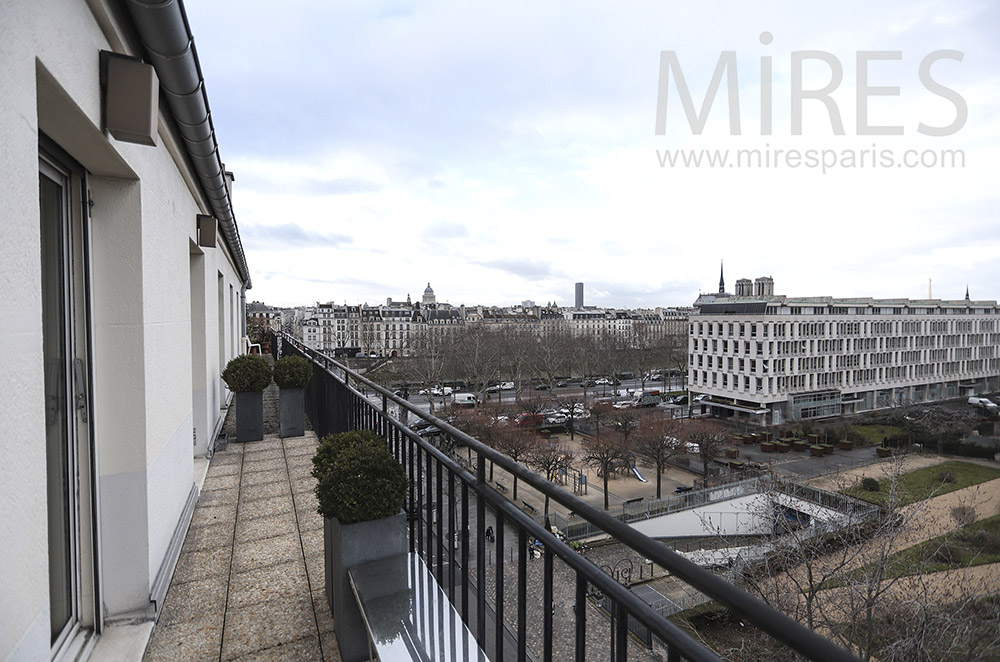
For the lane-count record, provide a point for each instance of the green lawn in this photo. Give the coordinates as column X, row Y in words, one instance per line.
column 874, row 434
column 927, row 482
column 975, row 544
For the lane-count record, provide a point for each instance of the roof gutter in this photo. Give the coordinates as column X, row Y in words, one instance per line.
column 164, row 32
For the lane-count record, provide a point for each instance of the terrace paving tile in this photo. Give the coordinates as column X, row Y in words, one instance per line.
column 302, row 650
column 187, row 640
column 265, row 490
column 271, row 464
column 265, row 507
column 269, row 551
column 263, row 477
column 249, row 530
column 230, row 482
column 208, row 515
column 219, row 497
column 201, row 564
column 272, row 582
column 210, row 536
column 266, row 625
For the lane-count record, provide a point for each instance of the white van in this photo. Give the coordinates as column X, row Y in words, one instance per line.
column 465, row 400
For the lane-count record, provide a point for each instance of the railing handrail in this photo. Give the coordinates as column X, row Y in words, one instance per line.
column 776, row 624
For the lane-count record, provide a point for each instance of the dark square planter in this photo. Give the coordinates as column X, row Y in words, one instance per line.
column 348, row 545
column 292, row 410
column 249, row 416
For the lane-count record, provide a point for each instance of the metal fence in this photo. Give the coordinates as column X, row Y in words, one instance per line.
column 450, row 508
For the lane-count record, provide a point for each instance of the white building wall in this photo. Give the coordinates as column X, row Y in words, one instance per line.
column 142, row 229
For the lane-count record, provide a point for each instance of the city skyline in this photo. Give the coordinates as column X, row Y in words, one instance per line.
column 412, row 139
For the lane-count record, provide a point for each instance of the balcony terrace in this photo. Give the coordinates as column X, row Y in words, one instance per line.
column 250, row 580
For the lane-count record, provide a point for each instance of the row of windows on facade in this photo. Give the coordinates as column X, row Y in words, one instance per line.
column 806, row 329
column 824, row 363
column 980, row 345
column 866, row 376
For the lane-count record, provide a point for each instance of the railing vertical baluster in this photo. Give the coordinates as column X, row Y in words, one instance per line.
column 451, row 536
column 420, row 503
column 439, row 517
column 547, row 605
column 580, row 612
column 498, row 552
column 413, row 503
column 621, row 633
column 426, row 478
column 673, row 653
column 480, row 553
column 464, row 533
column 522, row 594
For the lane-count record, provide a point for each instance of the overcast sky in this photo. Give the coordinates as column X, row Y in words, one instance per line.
column 505, row 151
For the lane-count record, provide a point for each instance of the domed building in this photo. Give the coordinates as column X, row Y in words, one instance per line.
column 428, row 296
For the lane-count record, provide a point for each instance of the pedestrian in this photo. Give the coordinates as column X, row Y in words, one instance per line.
column 490, row 537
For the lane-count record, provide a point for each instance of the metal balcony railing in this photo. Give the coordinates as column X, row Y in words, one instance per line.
column 451, row 508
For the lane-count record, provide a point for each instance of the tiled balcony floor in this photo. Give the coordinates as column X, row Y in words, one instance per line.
column 249, row 581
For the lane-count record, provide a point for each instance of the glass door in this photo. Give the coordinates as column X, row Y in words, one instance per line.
column 66, row 375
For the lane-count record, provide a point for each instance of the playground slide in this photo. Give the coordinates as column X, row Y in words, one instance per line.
column 638, row 475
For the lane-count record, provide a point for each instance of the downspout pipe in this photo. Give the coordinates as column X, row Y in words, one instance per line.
column 243, row 307
column 163, row 29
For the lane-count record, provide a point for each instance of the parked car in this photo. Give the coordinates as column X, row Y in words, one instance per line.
column 465, row 400
column 542, row 387
column 529, row 418
column 561, row 384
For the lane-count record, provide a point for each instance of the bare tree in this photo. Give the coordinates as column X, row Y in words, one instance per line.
column 625, row 421
column 476, row 356
column 605, row 454
column 518, row 444
column 430, row 352
column 709, row 438
column 656, row 438
column 549, row 457
column 516, row 346
column 550, row 356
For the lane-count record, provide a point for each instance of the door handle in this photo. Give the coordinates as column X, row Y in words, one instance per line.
column 80, row 391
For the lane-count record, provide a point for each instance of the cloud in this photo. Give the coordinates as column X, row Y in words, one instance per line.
column 339, row 186
column 445, row 230
column 527, row 269
column 290, row 235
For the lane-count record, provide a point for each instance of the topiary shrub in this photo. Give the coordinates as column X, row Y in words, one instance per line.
column 247, row 374
column 870, row 484
column 946, row 477
column 292, row 372
column 963, row 515
column 358, row 479
column 949, row 554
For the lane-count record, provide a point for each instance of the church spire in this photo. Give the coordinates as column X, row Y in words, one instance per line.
column 722, row 280
column 966, row 292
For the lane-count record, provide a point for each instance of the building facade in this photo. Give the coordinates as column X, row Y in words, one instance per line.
column 122, row 259
column 769, row 359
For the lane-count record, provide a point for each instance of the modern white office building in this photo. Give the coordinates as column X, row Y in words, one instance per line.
column 122, row 273
column 769, row 359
